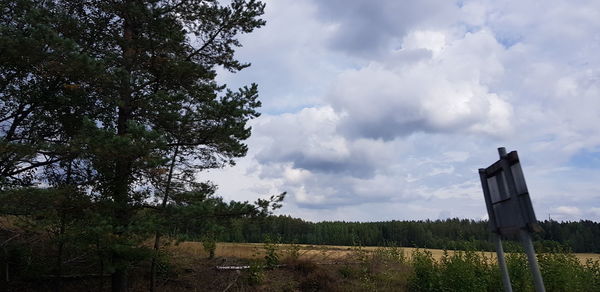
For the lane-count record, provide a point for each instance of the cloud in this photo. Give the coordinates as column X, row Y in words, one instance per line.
column 386, row 111
column 308, row 140
column 595, row 212
column 566, row 212
column 280, row 54
column 323, row 169
column 369, row 30
column 446, row 92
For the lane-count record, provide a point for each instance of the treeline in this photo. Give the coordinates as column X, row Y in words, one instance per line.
column 581, row 236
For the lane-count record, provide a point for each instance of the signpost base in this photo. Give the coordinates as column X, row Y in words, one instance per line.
column 533, row 264
column 502, row 264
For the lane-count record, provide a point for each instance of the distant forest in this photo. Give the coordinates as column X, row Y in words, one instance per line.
column 582, row 236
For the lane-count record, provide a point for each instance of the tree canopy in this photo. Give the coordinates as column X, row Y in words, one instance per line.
column 112, row 106
column 455, row 234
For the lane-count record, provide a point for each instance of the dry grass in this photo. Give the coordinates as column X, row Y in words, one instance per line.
column 583, row 257
column 9, row 223
column 318, row 268
column 318, row 253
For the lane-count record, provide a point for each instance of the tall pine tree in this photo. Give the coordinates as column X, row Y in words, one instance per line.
column 118, row 99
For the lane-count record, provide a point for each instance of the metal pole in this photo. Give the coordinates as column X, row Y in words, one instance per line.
column 502, row 264
column 533, row 264
column 492, row 225
column 502, row 152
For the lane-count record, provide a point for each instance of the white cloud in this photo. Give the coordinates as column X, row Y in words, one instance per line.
column 446, row 92
column 281, row 53
column 294, row 175
column 595, row 213
column 432, row 41
column 371, row 109
column 566, row 211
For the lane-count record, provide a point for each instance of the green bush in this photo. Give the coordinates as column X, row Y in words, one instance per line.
column 467, row 271
column 425, row 272
column 518, row 271
column 255, row 274
column 390, row 254
column 209, row 244
column 386, row 270
column 592, row 268
column 271, row 253
column 563, row 272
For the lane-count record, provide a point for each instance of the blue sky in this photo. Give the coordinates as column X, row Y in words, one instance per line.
column 381, row 110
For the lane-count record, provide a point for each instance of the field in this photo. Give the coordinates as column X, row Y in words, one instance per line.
column 318, row 253
column 186, row 266
column 285, row 267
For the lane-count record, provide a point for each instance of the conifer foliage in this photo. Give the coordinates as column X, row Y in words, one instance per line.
column 108, row 109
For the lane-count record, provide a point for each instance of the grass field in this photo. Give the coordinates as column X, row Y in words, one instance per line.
column 319, row 253
column 346, row 268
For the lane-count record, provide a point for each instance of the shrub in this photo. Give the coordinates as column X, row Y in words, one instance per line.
column 466, row 271
column 293, row 252
column 271, row 253
column 209, row 244
column 305, row 266
column 348, row 271
column 518, row 271
column 425, row 272
column 255, row 274
column 563, row 272
column 317, row 280
column 390, row 254
column 592, row 268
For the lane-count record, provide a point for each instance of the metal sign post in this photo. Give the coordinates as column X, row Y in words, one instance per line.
column 502, row 264
column 497, row 240
column 510, row 210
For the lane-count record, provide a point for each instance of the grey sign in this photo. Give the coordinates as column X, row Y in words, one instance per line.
column 506, row 196
column 510, row 211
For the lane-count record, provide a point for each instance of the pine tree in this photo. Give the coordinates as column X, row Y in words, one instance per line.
column 122, row 96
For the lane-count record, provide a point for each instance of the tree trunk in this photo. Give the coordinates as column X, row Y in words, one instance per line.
column 119, row 280
column 123, row 165
column 61, row 233
column 100, row 256
column 59, row 255
column 158, row 235
column 6, row 267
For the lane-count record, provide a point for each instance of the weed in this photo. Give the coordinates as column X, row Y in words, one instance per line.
column 209, row 244
column 271, row 253
column 255, row 274
column 518, row 270
column 425, row 276
column 305, row 267
column 348, row 271
column 390, row 254
column 592, row 268
column 317, row 280
column 562, row 272
column 293, row 251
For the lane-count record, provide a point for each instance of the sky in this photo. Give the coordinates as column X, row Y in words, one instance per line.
column 385, row 110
